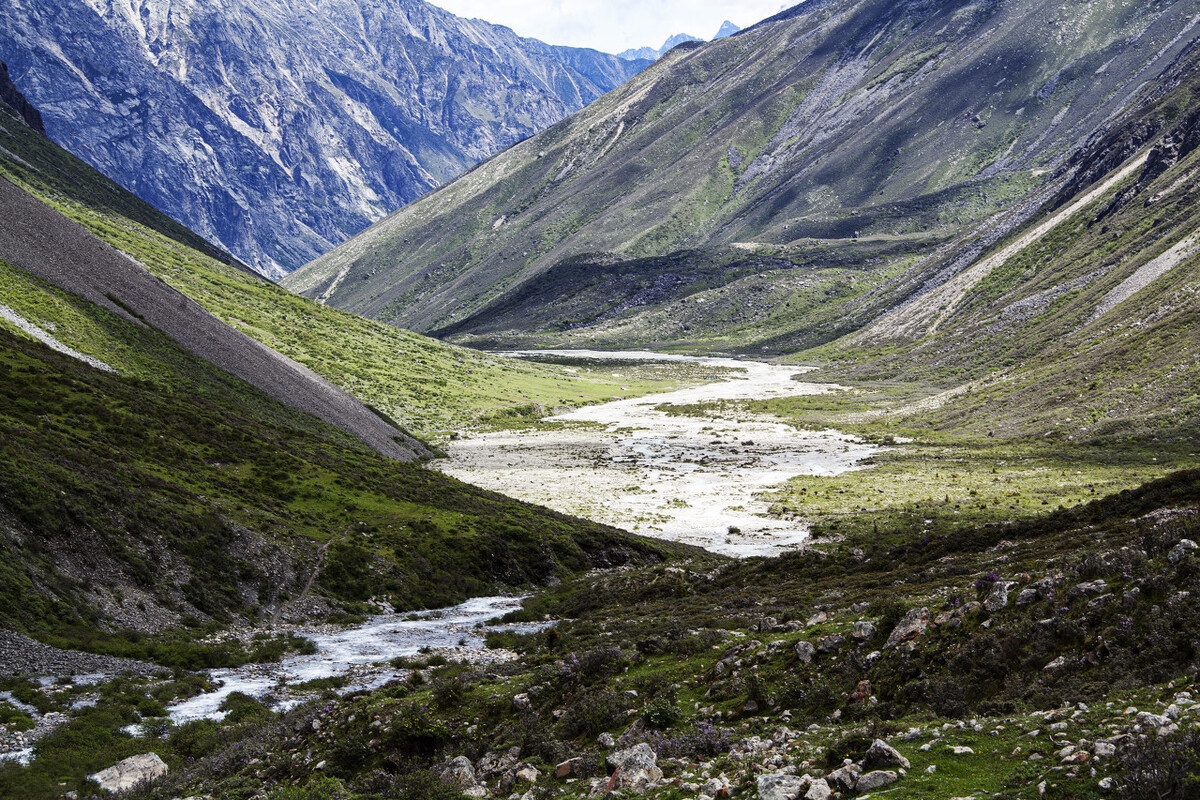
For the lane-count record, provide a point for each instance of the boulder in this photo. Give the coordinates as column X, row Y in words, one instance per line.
column 818, row 790
column 527, row 773
column 876, row 780
column 882, row 754
column 1180, row 550
column 717, row 787
column 494, row 764
column 845, row 778
column 914, row 624
column 805, row 652
column 459, row 773
column 634, row 768
column 997, row 598
column 135, row 770
column 863, row 630
column 831, row 643
column 780, row 787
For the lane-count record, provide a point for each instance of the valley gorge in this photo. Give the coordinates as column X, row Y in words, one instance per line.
column 811, row 415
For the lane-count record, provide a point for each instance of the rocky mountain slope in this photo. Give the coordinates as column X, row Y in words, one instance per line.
column 769, row 191
column 278, row 128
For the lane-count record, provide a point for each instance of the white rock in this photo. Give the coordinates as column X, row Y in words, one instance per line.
column 127, row 774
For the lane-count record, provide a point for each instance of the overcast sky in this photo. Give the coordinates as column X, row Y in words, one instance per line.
column 615, row 25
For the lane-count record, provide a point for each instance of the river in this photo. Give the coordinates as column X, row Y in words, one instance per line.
column 695, row 479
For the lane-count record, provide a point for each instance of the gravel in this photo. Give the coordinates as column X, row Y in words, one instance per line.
column 20, row 655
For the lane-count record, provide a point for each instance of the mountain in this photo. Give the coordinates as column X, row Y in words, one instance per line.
column 650, row 54
column 727, row 29
column 278, row 128
column 164, row 471
column 766, row 192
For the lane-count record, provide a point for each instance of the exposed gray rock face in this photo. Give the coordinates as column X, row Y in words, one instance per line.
column 131, row 772
column 279, row 128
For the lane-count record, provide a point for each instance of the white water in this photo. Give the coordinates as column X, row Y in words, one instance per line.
column 362, row 654
column 683, row 478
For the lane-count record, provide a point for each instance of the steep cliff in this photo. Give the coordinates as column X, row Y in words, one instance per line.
column 279, row 128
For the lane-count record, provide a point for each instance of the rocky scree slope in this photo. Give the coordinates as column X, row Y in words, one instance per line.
column 278, row 128
column 904, row 124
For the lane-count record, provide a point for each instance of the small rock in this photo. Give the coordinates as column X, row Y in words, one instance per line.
column 932, row 768
column 1104, row 749
column 567, row 768
column 1106, row 783
column 805, row 652
column 521, row 701
column 961, row 750
column 606, row 741
column 1057, row 663
column 876, row 780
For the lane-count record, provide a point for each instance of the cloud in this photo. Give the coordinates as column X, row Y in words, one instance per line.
column 613, row 25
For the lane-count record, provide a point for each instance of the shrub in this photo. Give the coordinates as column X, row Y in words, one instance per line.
column 1162, row 768
column 592, row 713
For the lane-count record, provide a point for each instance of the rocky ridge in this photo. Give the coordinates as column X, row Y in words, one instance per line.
column 278, row 128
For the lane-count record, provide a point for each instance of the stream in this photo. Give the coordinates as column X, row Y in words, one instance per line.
column 362, row 654
column 692, row 479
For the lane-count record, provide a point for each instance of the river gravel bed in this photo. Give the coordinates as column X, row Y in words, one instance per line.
column 692, row 479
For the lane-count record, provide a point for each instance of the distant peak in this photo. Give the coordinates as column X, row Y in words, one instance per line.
column 727, row 29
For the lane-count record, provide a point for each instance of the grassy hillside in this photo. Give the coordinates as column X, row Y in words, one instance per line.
column 1042, row 658
column 430, row 388
column 167, row 489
